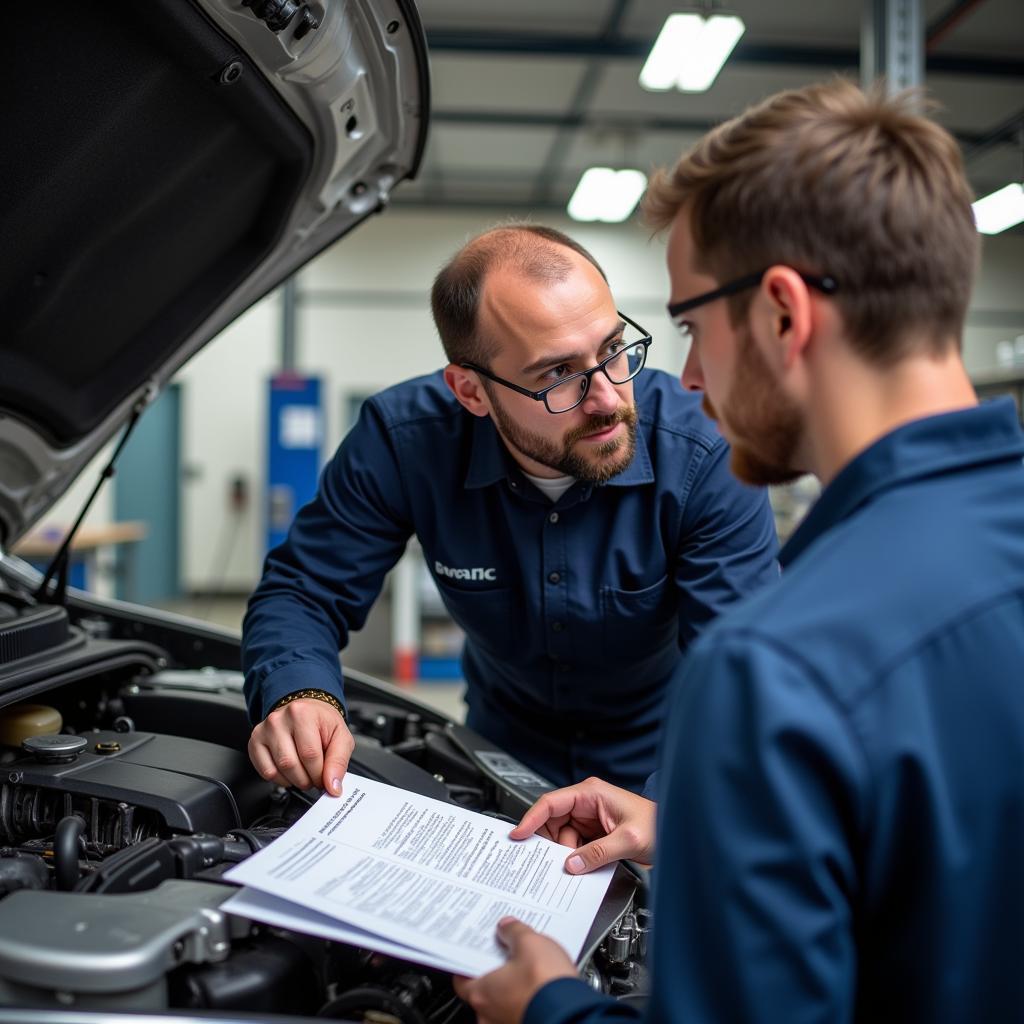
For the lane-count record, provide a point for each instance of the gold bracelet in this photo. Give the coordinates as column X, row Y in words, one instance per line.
column 327, row 698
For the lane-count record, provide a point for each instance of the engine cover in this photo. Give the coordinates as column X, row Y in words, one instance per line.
column 109, row 952
column 191, row 785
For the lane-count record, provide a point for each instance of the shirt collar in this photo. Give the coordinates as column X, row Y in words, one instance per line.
column 927, row 447
column 490, row 461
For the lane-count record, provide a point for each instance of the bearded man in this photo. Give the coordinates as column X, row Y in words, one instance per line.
column 578, row 517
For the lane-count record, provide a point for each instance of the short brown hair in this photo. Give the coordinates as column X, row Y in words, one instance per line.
column 531, row 249
column 835, row 180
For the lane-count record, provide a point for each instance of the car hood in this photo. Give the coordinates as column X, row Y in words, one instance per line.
column 167, row 164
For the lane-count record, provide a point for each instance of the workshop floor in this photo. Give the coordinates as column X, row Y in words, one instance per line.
column 228, row 612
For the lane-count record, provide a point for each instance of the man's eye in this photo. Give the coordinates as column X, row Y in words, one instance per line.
column 616, row 346
column 556, row 373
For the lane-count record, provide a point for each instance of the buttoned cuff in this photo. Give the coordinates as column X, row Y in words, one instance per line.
column 572, row 1001
column 298, row 675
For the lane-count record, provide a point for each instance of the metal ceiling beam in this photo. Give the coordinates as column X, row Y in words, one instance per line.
column 585, row 92
column 942, row 25
column 607, row 122
column 892, row 45
column 574, row 119
column 524, row 207
column 513, row 44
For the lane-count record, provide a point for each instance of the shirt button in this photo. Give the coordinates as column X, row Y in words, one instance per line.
column 558, row 626
column 553, row 518
column 513, row 484
column 554, row 577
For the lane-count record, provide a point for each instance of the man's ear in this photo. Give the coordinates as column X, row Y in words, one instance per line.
column 468, row 389
column 790, row 310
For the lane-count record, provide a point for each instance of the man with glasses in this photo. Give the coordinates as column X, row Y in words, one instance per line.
column 578, row 517
column 840, row 821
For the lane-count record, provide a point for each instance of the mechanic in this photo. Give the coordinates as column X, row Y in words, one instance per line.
column 842, row 786
column 580, row 521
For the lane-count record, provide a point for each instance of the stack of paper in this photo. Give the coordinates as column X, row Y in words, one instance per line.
column 415, row 878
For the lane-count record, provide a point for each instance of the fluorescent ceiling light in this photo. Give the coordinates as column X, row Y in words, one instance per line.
column 690, row 51
column 1000, row 210
column 607, row 195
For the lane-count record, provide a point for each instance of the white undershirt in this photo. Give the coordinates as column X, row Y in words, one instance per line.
column 552, row 486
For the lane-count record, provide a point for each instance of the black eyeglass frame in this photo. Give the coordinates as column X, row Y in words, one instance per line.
column 824, row 283
column 541, row 396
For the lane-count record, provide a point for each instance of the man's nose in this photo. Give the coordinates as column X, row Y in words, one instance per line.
column 693, row 374
column 603, row 397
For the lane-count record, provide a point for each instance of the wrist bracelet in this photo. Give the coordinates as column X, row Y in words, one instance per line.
column 327, row 698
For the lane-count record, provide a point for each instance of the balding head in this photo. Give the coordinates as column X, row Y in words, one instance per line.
column 538, row 254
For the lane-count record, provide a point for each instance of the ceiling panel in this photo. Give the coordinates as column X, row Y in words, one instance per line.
column 565, row 16
column 829, row 22
column 737, row 86
column 994, row 169
column 974, row 105
column 462, row 82
column 643, row 150
column 466, row 148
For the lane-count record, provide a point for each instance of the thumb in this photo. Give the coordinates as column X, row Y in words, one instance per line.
column 336, row 758
column 597, row 854
column 512, row 931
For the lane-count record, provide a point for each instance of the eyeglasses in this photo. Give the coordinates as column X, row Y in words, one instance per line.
column 826, row 284
column 621, row 366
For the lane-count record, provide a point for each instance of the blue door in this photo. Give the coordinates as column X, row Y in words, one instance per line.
column 147, row 488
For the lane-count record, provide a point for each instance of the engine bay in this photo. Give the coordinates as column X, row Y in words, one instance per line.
column 126, row 792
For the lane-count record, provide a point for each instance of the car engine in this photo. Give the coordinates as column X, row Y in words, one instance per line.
column 126, row 792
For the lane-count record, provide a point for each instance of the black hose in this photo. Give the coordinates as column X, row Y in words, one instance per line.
column 65, row 851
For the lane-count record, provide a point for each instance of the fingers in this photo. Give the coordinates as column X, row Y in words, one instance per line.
column 554, row 807
column 568, row 835
column 338, row 749
column 288, row 748
column 273, row 753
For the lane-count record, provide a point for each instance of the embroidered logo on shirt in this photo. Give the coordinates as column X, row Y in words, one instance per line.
column 477, row 573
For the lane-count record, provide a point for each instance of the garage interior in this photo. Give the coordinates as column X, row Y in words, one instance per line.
column 525, row 98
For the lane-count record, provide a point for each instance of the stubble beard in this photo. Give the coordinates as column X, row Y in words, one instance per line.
column 603, row 462
column 766, row 427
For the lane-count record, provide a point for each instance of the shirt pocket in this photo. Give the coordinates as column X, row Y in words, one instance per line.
column 637, row 623
column 487, row 617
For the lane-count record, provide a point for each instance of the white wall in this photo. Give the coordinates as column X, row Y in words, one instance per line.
column 364, row 323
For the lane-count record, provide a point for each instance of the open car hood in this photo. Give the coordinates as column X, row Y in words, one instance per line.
column 168, row 163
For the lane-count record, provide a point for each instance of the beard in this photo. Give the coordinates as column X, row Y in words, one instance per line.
column 603, row 461
column 766, row 427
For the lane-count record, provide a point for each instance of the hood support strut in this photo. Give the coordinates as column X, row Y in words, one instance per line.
column 61, row 560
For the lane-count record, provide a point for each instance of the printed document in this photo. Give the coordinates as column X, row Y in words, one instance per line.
column 424, row 880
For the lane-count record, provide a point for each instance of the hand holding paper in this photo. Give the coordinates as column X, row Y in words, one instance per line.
column 533, row 961
column 605, row 822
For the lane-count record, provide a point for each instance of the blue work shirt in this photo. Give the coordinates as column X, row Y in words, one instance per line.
column 575, row 612
column 841, row 823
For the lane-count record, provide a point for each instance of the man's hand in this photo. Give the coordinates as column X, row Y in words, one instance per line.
column 306, row 743
column 502, row 996
column 603, row 822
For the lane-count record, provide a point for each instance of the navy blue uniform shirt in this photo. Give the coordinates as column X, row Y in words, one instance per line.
column 575, row 612
column 841, row 823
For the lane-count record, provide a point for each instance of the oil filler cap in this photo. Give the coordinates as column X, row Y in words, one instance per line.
column 59, row 749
